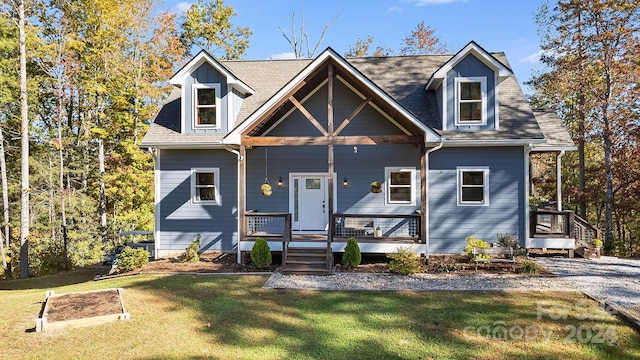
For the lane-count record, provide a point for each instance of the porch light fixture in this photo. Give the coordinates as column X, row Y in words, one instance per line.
column 280, row 181
column 345, row 182
column 355, row 149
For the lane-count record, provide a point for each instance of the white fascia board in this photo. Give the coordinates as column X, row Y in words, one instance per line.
column 480, row 143
column 204, row 57
column 471, row 48
column 234, row 136
column 190, row 145
column 543, row 148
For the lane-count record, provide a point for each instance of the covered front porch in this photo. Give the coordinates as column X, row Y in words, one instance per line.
column 327, row 137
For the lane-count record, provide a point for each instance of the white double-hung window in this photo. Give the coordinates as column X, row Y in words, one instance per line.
column 401, row 185
column 473, row 186
column 471, row 101
column 205, row 186
column 206, row 105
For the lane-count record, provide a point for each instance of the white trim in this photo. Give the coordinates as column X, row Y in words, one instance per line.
column 387, row 175
column 234, row 136
column 485, row 185
column 527, row 222
column 156, row 195
column 496, row 103
column 194, row 107
column 216, row 185
column 458, row 81
column 493, row 143
column 445, row 107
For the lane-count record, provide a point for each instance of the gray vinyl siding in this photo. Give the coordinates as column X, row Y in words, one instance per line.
column 449, row 223
column 181, row 221
column 470, row 66
column 205, row 74
column 360, row 169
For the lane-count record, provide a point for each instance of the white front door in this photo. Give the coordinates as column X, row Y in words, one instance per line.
column 309, row 197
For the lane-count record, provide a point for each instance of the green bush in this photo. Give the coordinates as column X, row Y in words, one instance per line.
column 191, row 254
column 510, row 240
column 404, row 261
column 352, row 256
column 471, row 242
column 260, row 254
column 528, row 267
column 131, row 258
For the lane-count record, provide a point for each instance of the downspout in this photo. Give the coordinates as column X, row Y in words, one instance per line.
column 237, row 153
column 527, row 219
column 156, row 201
column 559, row 180
column 426, row 199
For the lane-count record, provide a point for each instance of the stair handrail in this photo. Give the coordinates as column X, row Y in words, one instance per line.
column 581, row 226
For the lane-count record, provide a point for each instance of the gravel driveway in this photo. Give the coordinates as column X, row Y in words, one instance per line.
column 610, row 279
column 614, row 280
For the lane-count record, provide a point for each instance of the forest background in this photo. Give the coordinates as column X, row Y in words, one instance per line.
column 95, row 72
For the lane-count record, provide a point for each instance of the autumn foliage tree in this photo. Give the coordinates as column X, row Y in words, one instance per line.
column 97, row 76
column 590, row 48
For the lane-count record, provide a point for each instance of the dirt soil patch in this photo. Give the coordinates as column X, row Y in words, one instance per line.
column 209, row 263
column 83, row 305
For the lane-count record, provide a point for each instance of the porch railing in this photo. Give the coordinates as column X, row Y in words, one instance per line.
column 375, row 227
column 269, row 226
column 552, row 223
column 584, row 232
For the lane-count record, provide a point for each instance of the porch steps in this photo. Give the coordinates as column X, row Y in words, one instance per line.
column 306, row 261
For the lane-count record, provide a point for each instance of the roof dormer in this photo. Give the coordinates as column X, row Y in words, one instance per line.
column 466, row 89
column 211, row 95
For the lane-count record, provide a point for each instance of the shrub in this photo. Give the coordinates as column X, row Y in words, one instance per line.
column 131, row 258
column 352, row 255
column 471, row 242
column 191, row 254
column 261, row 254
column 510, row 240
column 404, row 261
column 529, row 267
column 596, row 242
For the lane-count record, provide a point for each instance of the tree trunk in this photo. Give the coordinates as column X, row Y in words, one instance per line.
column 5, row 209
column 24, row 146
column 103, row 202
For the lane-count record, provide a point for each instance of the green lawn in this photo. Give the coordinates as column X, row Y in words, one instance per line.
column 224, row 317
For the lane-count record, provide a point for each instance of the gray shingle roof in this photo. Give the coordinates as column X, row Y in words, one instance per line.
column 554, row 131
column 401, row 77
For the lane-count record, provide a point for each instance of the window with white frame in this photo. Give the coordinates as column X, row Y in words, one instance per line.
column 473, row 186
column 471, row 97
column 401, row 185
column 206, row 105
column 205, row 186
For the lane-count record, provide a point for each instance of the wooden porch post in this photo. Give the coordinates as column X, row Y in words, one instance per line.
column 330, row 166
column 242, row 195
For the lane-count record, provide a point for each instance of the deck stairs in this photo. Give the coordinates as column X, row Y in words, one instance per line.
column 584, row 233
column 311, row 258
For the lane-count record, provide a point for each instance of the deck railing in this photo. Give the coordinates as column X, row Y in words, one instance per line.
column 269, row 226
column 552, row 223
column 375, row 227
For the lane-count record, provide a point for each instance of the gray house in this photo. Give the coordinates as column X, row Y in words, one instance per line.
column 401, row 150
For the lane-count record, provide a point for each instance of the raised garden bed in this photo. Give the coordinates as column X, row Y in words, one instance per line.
column 81, row 309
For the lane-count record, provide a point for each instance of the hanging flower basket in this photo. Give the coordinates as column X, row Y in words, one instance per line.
column 376, row 187
column 266, row 189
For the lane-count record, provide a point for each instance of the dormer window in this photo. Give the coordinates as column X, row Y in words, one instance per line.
column 206, row 105
column 471, row 101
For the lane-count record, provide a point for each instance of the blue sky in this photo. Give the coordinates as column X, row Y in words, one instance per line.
column 496, row 25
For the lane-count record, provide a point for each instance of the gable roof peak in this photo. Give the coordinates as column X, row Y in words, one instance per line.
column 472, row 48
column 204, row 57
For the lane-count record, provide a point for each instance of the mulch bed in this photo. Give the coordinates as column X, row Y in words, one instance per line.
column 83, row 305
